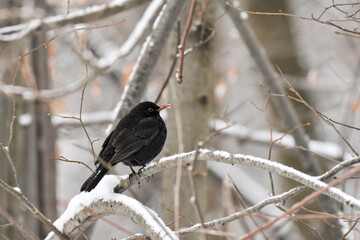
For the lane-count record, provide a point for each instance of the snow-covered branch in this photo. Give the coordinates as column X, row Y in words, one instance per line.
column 16, row 32
column 87, row 207
column 224, row 157
column 257, row 207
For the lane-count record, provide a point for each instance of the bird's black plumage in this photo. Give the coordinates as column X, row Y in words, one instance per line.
column 137, row 139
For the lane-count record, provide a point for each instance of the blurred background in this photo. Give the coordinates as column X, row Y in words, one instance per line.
column 231, row 99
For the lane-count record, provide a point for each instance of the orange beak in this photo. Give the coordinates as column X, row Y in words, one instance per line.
column 163, row 107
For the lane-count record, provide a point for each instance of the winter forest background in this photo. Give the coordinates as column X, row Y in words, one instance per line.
column 269, row 88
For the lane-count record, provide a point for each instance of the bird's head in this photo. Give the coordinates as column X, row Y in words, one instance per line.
column 149, row 108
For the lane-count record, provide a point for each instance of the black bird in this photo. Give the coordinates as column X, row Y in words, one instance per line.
column 137, row 139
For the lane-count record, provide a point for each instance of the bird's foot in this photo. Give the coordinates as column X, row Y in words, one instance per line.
column 139, row 184
column 131, row 175
column 141, row 170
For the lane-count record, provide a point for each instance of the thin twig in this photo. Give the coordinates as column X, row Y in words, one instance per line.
column 303, row 202
column 243, row 203
column 80, row 119
column 268, row 13
column 63, row 159
column 301, row 99
column 317, row 154
column 26, row 233
column 172, row 65
column 11, row 162
column 179, row 76
column 195, row 199
column 350, row 229
column 299, row 220
column 29, row 205
column 180, row 141
column 296, row 16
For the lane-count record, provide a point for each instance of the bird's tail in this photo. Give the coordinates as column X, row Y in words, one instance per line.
column 94, row 179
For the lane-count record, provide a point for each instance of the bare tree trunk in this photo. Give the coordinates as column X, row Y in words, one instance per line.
column 20, row 144
column 45, row 133
column 193, row 99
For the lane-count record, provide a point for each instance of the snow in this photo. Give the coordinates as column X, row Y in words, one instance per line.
column 104, row 192
column 25, row 119
column 244, row 15
column 222, row 154
column 17, row 189
column 84, row 199
column 29, row 95
column 21, row 30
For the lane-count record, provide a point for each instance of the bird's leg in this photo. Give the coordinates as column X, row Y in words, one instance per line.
column 133, row 172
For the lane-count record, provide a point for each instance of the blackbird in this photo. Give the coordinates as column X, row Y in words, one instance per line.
column 137, row 139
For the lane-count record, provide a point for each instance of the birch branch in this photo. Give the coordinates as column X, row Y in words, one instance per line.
column 247, row 160
column 139, row 31
column 96, row 12
column 87, row 207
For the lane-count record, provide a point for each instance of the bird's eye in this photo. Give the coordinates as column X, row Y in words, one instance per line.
column 150, row 110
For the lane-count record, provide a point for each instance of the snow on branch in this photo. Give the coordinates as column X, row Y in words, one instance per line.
column 224, row 157
column 87, row 207
column 232, row 217
column 16, row 32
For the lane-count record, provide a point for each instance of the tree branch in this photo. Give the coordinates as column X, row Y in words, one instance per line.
column 85, row 208
column 224, row 157
column 138, row 32
column 96, row 12
column 16, row 193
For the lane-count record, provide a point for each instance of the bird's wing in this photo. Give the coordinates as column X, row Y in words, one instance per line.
column 104, row 146
column 107, row 139
column 129, row 142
